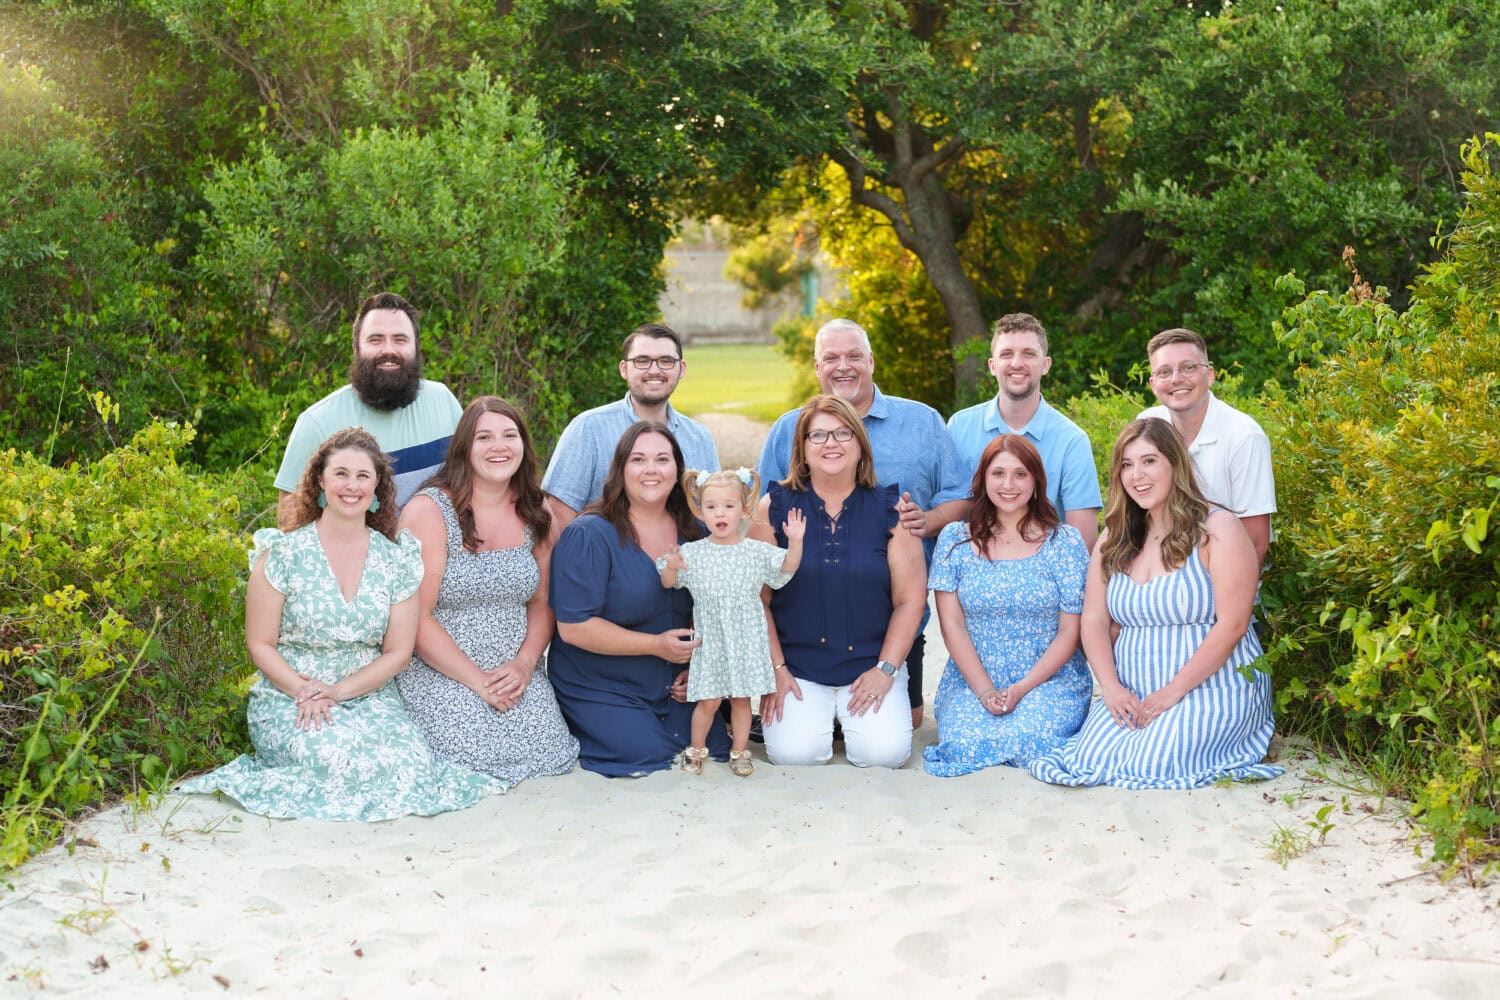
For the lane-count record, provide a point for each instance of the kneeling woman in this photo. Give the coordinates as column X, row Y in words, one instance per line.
column 619, row 662
column 843, row 626
column 477, row 687
column 1009, row 584
column 1174, row 579
column 330, row 618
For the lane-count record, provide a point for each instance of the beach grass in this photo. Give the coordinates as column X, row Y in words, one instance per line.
column 754, row 380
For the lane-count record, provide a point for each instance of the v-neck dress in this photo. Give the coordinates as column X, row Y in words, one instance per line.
column 371, row 763
column 1220, row 729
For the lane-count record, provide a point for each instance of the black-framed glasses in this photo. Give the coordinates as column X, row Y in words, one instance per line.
column 1187, row 370
column 644, row 363
column 821, row 437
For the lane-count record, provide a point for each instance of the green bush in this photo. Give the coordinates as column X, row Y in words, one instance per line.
column 1385, row 589
column 121, row 640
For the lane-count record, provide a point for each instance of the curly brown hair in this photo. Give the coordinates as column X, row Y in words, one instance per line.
column 1125, row 520
column 456, row 477
column 305, row 509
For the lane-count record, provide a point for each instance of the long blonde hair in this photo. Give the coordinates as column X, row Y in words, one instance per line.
column 1125, row 520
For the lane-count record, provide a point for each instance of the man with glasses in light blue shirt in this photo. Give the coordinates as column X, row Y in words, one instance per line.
column 1018, row 360
column 651, row 365
column 912, row 449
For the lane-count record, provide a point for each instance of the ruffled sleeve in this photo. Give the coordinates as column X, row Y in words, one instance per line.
column 1068, row 559
column 406, row 567
column 780, row 503
column 770, row 572
column 889, row 494
column 269, row 543
column 944, row 573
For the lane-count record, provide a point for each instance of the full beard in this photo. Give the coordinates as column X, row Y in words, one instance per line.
column 382, row 389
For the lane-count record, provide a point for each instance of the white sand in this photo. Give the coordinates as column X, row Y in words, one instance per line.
column 802, row 882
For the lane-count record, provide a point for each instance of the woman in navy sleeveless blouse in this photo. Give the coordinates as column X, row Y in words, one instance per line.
column 1166, row 626
column 844, row 624
column 619, row 661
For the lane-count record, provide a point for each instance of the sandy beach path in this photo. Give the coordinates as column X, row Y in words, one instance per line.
column 799, row 882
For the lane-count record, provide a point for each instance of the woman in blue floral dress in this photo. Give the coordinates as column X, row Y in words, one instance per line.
column 1009, row 584
column 330, row 618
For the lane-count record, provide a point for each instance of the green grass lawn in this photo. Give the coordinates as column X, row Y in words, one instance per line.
column 750, row 379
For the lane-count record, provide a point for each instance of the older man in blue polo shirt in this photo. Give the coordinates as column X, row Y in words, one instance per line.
column 651, row 365
column 912, row 449
column 1018, row 360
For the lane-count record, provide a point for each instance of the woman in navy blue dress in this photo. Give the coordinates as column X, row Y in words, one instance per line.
column 619, row 661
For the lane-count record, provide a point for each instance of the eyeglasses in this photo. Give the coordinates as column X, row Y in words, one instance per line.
column 821, row 437
column 666, row 364
column 1187, row 370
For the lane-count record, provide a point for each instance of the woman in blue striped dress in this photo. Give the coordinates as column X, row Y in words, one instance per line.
column 1166, row 628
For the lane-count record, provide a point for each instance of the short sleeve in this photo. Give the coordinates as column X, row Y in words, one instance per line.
column 270, row 543
column 406, row 567
column 1252, row 483
column 944, row 573
column 1068, row 559
column 573, row 458
column 776, row 453
column 1079, row 489
column 772, row 556
column 300, row 446
column 952, row 482
column 889, row 495
column 581, row 564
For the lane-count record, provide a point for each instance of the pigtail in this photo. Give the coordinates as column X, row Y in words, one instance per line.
column 690, row 486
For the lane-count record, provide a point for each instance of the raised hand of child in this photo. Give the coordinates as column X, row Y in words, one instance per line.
column 795, row 526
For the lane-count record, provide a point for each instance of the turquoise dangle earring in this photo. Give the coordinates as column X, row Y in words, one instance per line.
column 322, row 499
column 374, row 504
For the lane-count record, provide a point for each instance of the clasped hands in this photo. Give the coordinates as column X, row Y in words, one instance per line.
column 315, row 700
column 1130, row 712
column 503, row 687
column 1002, row 701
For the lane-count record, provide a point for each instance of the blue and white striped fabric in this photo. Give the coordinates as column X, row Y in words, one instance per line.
column 1221, row 729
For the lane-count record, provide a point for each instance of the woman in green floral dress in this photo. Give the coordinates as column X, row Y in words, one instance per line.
column 330, row 618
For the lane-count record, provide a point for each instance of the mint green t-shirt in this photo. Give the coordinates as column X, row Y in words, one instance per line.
column 415, row 436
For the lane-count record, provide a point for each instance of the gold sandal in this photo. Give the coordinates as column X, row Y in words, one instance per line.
column 693, row 758
column 740, row 762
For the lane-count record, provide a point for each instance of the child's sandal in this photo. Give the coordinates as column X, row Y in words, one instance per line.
column 740, row 762
column 693, row 758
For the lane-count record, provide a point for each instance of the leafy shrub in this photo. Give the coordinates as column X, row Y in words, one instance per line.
column 119, row 604
column 1385, row 594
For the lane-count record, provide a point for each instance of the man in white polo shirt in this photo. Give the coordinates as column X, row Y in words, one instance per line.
column 1231, row 454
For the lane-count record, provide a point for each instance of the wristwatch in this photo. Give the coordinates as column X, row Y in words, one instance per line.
column 887, row 667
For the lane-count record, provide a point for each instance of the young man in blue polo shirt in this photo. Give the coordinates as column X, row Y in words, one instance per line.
column 651, row 365
column 1019, row 360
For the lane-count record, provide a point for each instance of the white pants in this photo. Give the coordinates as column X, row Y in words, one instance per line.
column 804, row 735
